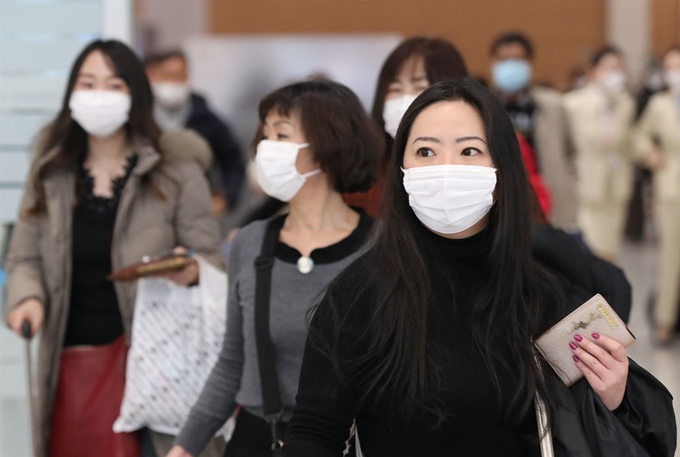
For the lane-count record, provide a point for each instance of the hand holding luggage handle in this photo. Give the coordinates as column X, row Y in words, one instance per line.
column 27, row 334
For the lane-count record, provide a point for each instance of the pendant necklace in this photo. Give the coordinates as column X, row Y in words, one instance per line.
column 305, row 265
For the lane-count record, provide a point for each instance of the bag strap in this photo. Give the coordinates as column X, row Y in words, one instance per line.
column 544, row 429
column 266, row 357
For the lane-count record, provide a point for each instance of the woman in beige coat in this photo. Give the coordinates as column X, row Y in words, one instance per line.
column 658, row 145
column 104, row 190
column 601, row 115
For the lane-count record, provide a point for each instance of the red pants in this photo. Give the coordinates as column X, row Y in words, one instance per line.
column 89, row 395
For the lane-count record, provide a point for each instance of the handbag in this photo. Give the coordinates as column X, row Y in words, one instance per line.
column 269, row 379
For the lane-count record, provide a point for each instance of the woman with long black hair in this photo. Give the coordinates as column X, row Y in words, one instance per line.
column 426, row 340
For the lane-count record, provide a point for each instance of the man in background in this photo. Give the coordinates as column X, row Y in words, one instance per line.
column 540, row 117
column 178, row 107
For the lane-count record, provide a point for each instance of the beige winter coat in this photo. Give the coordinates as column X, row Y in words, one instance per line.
column 661, row 122
column 551, row 139
column 605, row 166
column 39, row 258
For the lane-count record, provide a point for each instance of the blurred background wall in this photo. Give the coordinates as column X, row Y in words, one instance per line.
column 565, row 31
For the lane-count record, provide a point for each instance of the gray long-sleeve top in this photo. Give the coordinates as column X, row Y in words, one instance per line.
column 235, row 379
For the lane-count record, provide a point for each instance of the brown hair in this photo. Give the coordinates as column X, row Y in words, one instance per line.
column 70, row 138
column 442, row 61
column 343, row 138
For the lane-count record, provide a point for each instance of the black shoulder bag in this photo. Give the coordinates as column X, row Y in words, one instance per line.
column 269, row 379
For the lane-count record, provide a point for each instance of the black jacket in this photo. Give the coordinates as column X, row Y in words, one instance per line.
column 583, row 273
column 644, row 425
column 226, row 152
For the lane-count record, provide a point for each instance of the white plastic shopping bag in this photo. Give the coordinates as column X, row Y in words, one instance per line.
column 177, row 335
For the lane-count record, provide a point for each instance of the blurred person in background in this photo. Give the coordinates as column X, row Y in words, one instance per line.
column 178, row 107
column 653, row 82
column 412, row 67
column 578, row 78
column 657, row 143
column 601, row 116
column 314, row 142
column 539, row 116
column 105, row 189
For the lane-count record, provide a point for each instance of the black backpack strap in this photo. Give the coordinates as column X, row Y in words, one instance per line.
column 266, row 357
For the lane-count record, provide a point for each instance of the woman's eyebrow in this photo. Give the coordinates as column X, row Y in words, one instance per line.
column 469, row 138
column 427, row 138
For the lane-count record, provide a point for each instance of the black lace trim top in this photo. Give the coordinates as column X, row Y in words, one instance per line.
column 94, row 315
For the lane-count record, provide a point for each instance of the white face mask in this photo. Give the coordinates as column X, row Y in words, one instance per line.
column 672, row 78
column 614, row 82
column 277, row 173
column 100, row 112
column 172, row 95
column 394, row 111
column 450, row 199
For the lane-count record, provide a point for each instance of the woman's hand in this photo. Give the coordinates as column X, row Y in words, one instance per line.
column 30, row 310
column 605, row 366
column 187, row 276
column 178, row 451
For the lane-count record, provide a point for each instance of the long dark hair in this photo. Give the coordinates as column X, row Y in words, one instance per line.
column 71, row 139
column 519, row 302
column 442, row 61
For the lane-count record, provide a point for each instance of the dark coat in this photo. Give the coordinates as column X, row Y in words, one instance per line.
column 226, row 152
column 583, row 274
column 644, row 425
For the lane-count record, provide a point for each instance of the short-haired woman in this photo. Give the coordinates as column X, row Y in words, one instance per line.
column 315, row 142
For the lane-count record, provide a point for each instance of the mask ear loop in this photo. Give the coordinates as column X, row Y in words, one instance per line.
column 311, row 173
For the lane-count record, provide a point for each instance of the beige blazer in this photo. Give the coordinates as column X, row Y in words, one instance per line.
column 39, row 258
column 554, row 154
column 660, row 122
column 604, row 167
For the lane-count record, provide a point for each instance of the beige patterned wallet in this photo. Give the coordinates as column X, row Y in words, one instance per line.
column 594, row 316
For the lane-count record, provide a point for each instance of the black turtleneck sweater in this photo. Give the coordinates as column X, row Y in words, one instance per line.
column 325, row 402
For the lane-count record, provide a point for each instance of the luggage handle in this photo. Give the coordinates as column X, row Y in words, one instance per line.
column 27, row 330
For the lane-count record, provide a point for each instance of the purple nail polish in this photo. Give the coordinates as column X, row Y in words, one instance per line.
column 578, row 338
column 596, row 336
column 576, row 359
column 573, row 346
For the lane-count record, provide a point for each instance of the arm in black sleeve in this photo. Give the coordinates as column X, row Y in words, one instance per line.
column 584, row 273
column 326, row 405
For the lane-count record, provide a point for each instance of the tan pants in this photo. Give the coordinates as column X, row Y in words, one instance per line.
column 603, row 226
column 668, row 286
column 163, row 443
